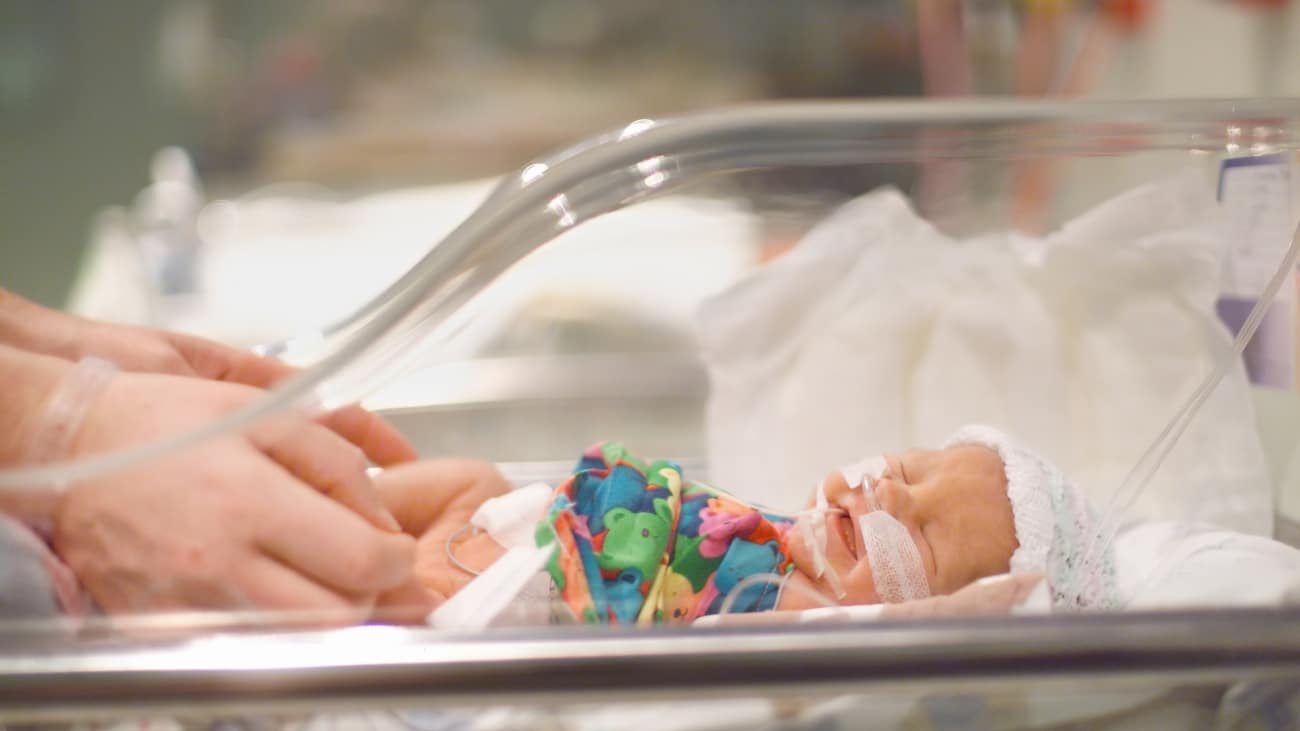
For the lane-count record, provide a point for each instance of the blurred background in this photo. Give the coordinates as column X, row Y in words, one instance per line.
column 343, row 98
column 256, row 171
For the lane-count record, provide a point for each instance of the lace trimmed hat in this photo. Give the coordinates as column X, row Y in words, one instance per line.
column 1055, row 526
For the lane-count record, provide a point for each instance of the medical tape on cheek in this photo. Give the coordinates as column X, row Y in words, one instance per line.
column 895, row 560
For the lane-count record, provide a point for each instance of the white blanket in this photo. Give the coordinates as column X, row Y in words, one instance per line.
column 879, row 332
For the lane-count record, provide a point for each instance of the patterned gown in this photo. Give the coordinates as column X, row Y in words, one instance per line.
column 638, row 544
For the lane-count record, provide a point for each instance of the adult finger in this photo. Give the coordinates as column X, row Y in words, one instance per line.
column 420, row 493
column 379, row 440
column 328, row 542
column 327, row 462
column 269, row 585
column 217, row 362
column 409, row 603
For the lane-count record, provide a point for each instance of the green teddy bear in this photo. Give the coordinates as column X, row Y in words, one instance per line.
column 636, row 540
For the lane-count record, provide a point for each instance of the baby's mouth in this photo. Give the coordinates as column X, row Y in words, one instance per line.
column 842, row 524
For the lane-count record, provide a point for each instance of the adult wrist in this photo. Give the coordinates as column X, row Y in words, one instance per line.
column 30, row 380
column 46, row 406
column 52, row 435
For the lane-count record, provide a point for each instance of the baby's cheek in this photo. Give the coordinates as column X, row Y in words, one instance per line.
column 926, row 548
column 799, row 594
column 798, row 550
column 860, row 585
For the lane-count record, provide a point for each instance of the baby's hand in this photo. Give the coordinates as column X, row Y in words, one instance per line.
column 434, row 499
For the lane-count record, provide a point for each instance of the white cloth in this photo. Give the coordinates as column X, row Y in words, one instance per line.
column 511, row 519
column 1169, row 565
column 878, row 332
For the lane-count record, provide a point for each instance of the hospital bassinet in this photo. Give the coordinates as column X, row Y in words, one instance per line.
column 457, row 354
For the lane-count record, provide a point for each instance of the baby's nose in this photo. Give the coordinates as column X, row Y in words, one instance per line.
column 865, row 472
column 893, row 498
column 834, row 488
column 853, row 481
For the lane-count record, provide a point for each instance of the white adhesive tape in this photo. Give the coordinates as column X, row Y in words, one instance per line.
column 861, row 474
column 512, row 518
column 895, row 560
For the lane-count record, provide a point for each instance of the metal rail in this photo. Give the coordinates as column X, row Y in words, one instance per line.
column 370, row 667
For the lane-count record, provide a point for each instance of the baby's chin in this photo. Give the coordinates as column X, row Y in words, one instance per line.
column 805, row 590
column 800, row 554
column 798, row 594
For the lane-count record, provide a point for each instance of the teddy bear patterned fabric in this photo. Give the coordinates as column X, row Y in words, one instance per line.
column 638, row 544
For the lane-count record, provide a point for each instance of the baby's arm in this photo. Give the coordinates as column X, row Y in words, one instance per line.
column 991, row 596
column 432, row 500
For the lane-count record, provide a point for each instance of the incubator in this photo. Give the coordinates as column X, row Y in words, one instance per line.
column 1113, row 284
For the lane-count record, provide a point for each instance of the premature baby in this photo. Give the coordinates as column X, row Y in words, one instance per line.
column 636, row 542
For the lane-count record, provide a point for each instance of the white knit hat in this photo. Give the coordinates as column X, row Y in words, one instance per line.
column 1054, row 524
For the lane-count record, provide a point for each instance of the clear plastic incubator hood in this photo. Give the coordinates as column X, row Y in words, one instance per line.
column 1088, row 308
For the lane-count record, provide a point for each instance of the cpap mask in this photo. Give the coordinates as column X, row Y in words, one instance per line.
column 895, row 561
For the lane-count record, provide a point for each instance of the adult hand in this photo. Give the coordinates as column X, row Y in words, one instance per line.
column 31, row 327
column 281, row 517
column 149, row 350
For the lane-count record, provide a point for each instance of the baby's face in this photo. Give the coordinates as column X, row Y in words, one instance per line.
column 953, row 503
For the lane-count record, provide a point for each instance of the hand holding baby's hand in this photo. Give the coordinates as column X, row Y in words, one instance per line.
column 433, row 500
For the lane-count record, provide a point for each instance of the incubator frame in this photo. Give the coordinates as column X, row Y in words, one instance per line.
column 390, row 667
column 52, row 671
